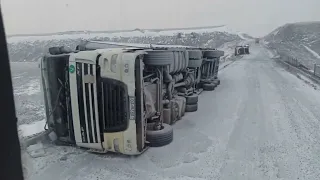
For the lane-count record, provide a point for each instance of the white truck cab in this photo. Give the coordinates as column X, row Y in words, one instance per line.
column 102, row 95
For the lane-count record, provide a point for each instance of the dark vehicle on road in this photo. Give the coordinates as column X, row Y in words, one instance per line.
column 241, row 50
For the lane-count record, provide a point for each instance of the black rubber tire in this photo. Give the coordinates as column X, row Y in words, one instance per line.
column 216, row 82
column 195, row 55
column 241, row 51
column 213, row 54
column 246, row 50
column 158, row 58
column 54, row 50
column 191, row 107
column 195, row 63
column 59, row 50
column 193, row 99
column 209, row 87
column 161, row 137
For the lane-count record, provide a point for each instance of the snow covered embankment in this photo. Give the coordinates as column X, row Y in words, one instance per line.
column 297, row 40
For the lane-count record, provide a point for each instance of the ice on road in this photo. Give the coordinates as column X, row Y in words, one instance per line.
column 260, row 123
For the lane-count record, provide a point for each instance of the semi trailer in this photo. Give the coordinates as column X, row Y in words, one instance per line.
column 121, row 98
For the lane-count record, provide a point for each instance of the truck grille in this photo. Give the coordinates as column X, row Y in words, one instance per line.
column 115, row 105
column 87, row 102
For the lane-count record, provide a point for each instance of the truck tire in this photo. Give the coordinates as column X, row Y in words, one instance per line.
column 158, row 138
column 216, row 82
column 59, row 50
column 195, row 55
column 158, row 58
column 195, row 63
column 54, row 50
column 213, row 54
column 209, row 87
column 191, row 107
column 241, row 51
column 193, row 99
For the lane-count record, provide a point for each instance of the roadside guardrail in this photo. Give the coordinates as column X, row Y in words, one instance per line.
column 295, row 65
column 316, row 70
column 313, row 74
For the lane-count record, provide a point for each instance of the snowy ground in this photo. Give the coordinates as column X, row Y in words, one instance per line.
column 260, row 123
column 27, row 94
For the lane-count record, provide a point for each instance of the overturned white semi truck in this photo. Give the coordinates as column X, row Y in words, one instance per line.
column 123, row 97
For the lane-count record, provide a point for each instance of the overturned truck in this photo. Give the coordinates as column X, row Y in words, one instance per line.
column 121, row 98
column 241, row 50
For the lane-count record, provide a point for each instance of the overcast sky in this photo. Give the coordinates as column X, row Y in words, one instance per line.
column 256, row 17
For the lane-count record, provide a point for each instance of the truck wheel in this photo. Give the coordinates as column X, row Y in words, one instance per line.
column 162, row 137
column 213, row 54
column 209, row 87
column 54, row 50
column 216, row 82
column 158, row 58
column 191, row 107
column 193, row 99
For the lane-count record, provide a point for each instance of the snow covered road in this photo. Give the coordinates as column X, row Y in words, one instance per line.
column 260, row 123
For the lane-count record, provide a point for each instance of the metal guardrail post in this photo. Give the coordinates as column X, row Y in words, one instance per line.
column 316, row 70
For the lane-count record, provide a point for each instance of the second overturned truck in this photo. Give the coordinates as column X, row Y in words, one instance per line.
column 121, row 98
column 241, row 50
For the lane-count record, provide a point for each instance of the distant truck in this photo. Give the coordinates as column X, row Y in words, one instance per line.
column 240, row 50
column 257, row 40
